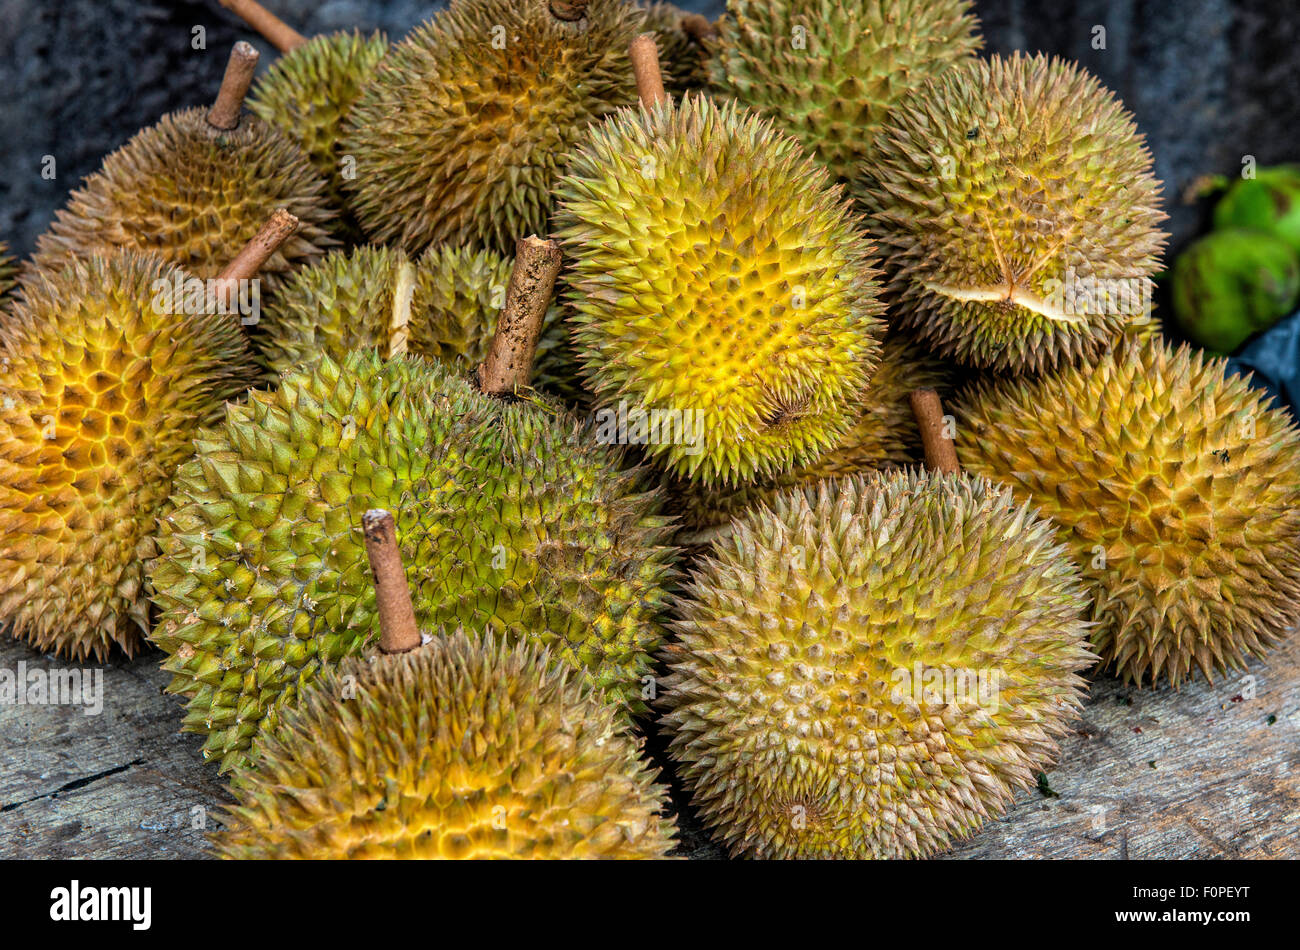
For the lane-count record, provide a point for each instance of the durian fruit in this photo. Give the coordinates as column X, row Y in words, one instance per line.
column 885, row 435
column 444, row 306
column 309, row 89
column 194, row 189
column 682, row 38
column 716, row 275
column 459, row 137
column 1017, row 214
column 1176, row 488
column 106, row 382
column 870, row 667
column 464, row 747
column 8, row 272
column 828, row 72
column 511, row 514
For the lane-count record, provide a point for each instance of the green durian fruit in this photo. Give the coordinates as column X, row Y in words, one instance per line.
column 444, row 306
column 714, row 271
column 307, row 93
column 1268, row 202
column 510, row 516
column 1017, row 214
column 873, row 666
column 459, row 137
column 1231, row 284
column 827, row 71
column 465, row 748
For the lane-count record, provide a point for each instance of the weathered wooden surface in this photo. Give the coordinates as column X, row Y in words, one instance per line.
column 1207, row 772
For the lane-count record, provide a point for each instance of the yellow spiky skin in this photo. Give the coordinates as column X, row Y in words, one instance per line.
column 1017, row 214
column 1177, row 490
column 459, row 138
column 100, row 399
column 885, row 435
column 465, row 748
column 792, row 716
column 714, row 269
column 345, row 302
column 510, row 516
column 683, row 59
column 828, row 71
column 308, row 90
column 195, row 196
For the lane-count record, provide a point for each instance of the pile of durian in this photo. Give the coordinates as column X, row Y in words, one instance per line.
column 423, row 599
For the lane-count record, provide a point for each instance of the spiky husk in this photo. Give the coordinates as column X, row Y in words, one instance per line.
column 100, row 400
column 714, row 268
column 790, row 714
column 195, row 196
column 465, row 748
column 1177, row 490
column 345, row 302
column 682, row 58
column 459, row 137
column 885, row 435
column 8, row 273
column 1000, row 192
column 307, row 92
column 828, row 72
column 509, row 516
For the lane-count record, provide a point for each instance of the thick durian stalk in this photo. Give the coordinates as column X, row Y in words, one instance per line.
column 509, row 363
column 280, row 34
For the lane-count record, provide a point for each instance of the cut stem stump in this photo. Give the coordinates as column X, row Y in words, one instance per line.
column 274, row 30
column 645, row 67
column 398, row 632
column 509, row 363
column 940, row 454
column 224, row 114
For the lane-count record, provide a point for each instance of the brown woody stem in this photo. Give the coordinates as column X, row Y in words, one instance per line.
column 397, row 630
column 645, row 67
column 940, row 454
column 224, row 113
column 254, row 255
column 509, row 363
column 274, row 30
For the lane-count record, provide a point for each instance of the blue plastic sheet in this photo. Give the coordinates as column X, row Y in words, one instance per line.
column 1274, row 359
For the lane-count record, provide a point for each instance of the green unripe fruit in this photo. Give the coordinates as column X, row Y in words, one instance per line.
column 1268, row 202
column 1232, row 284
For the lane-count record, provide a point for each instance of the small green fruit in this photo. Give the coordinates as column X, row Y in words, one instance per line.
column 1232, row 284
column 1268, row 202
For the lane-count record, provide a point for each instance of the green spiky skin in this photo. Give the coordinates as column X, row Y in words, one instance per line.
column 344, row 302
column 993, row 185
column 683, row 59
column 195, row 196
column 885, row 435
column 714, row 268
column 789, row 720
column 509, row 516
column 459, row 142
column 100, row 399
column 859, row 58
column 464, row 748
column 8, row 273
column 1177, row 490
column 307, row 92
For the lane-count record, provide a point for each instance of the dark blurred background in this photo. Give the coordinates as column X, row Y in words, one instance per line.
column 1209, row 80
